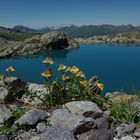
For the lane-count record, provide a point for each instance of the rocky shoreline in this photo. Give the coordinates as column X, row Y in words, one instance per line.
column 111, row 39
column 21, row 119
column 36, row 44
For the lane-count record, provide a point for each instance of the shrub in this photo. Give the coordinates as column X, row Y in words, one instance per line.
column 71, row 86
column 123, row 112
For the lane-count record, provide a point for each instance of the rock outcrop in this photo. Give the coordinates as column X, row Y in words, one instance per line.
column 36, row 44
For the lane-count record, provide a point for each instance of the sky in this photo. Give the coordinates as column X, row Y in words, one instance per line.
column 41, row 13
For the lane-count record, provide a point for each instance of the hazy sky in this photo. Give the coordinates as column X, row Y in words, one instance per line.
column 40, row 13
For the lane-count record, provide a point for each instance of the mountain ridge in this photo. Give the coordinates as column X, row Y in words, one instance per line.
column 83, row 30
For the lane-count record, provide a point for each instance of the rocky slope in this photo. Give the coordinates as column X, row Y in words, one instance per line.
column 76, row 120
column 36, row 44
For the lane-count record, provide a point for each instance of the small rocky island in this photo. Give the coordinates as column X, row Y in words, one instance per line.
column 36, row 44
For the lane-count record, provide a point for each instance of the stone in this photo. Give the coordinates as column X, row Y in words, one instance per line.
column 137, row 133
column 128, row 138
column 58, row 40
column 36, row 88
column 98, row 134
column 93, row 84
column 3, row 94
column 86, row 108
column 2, row 84
column 15, row 82
column 39, row 90
column 5, row 113
column 41, row 127
column 136, row 105
column 117, row 96
column 35, row 138
column 76, row 123
column 57, row 132
column 3, row 137
column 125, row 129
column 102, row 123
column 32, row 117
column 20, row 135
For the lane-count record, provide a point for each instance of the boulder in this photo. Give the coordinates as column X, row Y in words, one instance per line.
column 102, row 123
column 125, row 129
column 58, row 40
column 93, row 84
column 3, row 137
column 127, row 138
column 3, row 94
column 57, row 132
column 98, row 134
column 136, row 105
column 32, row 117
column 15, row 82
column 76, row 123
column 41, row 127
column 137, row 133
column 117, row 96
column 37, row 88
column 5, row 113
column 86, row 108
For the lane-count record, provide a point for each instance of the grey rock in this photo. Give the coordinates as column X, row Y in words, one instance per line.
column 37, row 88
column 31, row 117
column 5, row 113
column 41, row 127
column 86, row 108
column 136, row 105
column 2, row 84
column 128, row 138
column 3, row 137
column 35, row 138
column 58, row 40
column 125, row 129
column 76, row 123
column 15, row 83
column 3, row 94
column 11, row 79
column 20, row 135
column 98, row 134
column 93, row 84
column 102, row 123
column 137, row 133
column 57, row 132
column 117, row 96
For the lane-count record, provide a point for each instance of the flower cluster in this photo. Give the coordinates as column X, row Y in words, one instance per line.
column 68, row 73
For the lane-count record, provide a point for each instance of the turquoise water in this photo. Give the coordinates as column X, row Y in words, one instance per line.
column 117, row 66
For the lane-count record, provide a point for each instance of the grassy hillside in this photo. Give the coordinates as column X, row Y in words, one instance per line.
column 14, row 35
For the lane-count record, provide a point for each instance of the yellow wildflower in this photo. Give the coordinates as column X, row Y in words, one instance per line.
column 100, row 86
column 48, row 60
column 84, row 83
column 68, row 69
column 74, row 69
column 10, row 69
column 80, row 74
column 65, row 77
column 62, row 67
column 47, row 74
